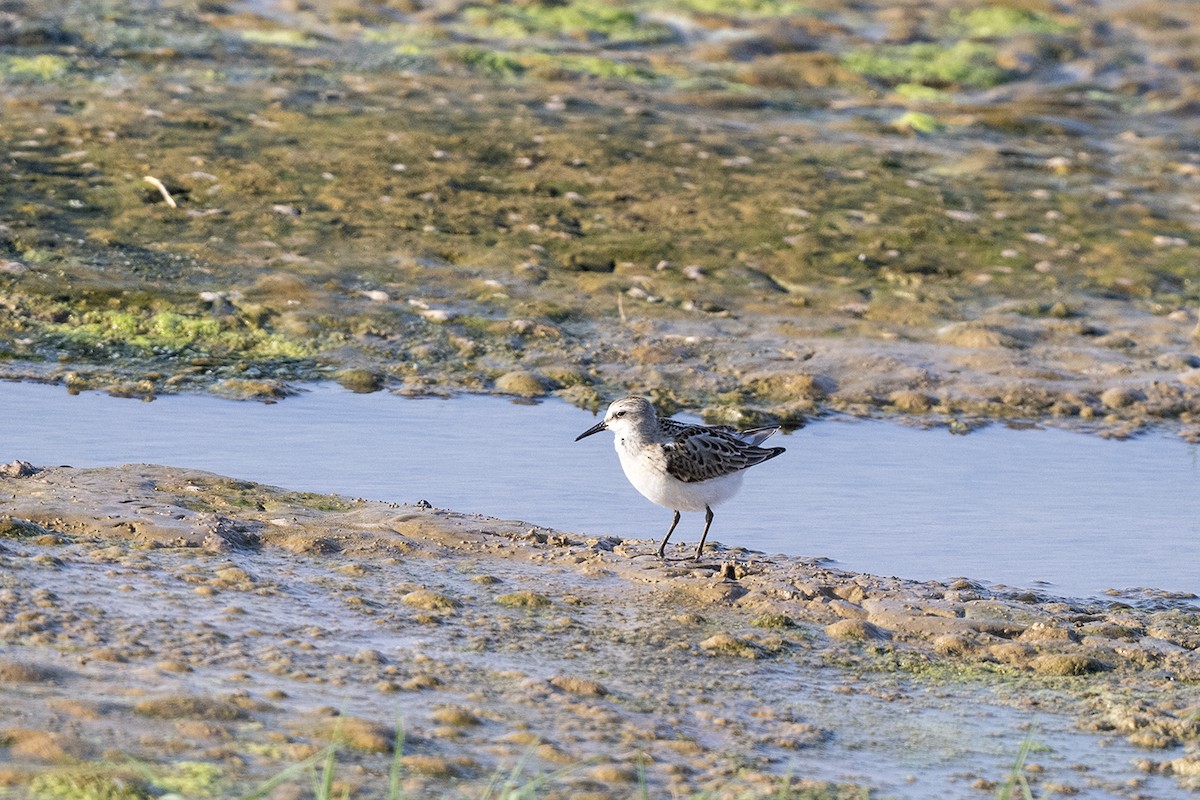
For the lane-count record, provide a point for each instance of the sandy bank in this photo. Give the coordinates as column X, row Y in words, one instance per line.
column 173, row 617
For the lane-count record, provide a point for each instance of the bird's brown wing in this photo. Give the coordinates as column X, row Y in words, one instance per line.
column 700, row 453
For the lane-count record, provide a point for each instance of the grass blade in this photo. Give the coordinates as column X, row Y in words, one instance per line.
column 323, row 784
column 396, row 771
column 1016, row 775
column 284, row 776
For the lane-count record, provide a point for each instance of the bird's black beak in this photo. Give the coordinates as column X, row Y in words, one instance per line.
column 599, row 426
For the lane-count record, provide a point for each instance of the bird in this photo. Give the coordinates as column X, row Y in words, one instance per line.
column 678, row 465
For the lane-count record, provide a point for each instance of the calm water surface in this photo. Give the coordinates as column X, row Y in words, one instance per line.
column 1066, row 513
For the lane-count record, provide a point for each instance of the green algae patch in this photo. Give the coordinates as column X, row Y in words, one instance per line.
column 725, row 644
column 741, row 8
column 497, row 64
column 15, row 528
column 430, row 600
column 152, row 333
column 127, row 782
column 524, row 599
column 215, row 493
column 202, row 493
column 964, row 64
column 41, row 67
column 559, row 66
column 89, row 783
column 580, row 19
column 998, row 21
column 548, row 66
column 918, row 122
column 920, row 93
column 316, row 501
column 1066, row 664
column 773, row 621
column 190, row 779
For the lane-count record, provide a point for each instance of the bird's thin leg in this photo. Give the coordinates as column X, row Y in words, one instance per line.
column 662, row 547
column 708, row 515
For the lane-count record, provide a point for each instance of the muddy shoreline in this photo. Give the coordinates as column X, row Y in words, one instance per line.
column 768, row 211
column 948, row 212
column 164, row 625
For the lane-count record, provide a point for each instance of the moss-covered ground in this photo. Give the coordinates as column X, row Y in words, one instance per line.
column 715, row 202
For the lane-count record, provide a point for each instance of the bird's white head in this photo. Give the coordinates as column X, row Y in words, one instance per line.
column 625, row 416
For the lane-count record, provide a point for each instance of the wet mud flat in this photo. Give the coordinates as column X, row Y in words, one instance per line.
column 764, row 210
column 167, row 630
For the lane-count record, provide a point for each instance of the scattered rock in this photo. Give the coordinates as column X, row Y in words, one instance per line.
column 524, row 599
column 953, row 644
column 268, row 390
column 909, row 401
column 1151, row 740
column 455, row 716
column 357, row 733
column 1119, row 397
column 1187, row 767
column 429, row 600
column 16, row 528
column 369, row 655
column 429, row 765
column 234, row 577
column 182, row 706
column 24, row 672
column 855, row 630
column 727, row 645
column 421, row 681
column 581, row 686
column 1014, row 653
column 976, row 335
column 522, row 384
column 359, row 381
column 39, row 745
column 1067, row 664
column 1046, row 632
column 18, row 469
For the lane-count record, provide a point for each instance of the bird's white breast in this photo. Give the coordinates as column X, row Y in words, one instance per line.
column 646, row 468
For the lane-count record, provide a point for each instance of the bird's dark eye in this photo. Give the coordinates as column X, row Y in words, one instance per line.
column 619, row 414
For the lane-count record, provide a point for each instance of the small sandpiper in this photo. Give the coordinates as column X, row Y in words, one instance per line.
column 680, row 466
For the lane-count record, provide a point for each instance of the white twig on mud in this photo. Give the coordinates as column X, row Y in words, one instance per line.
column 157, row 184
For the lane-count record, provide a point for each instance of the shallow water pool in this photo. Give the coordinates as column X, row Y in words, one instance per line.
column 1058, row 512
